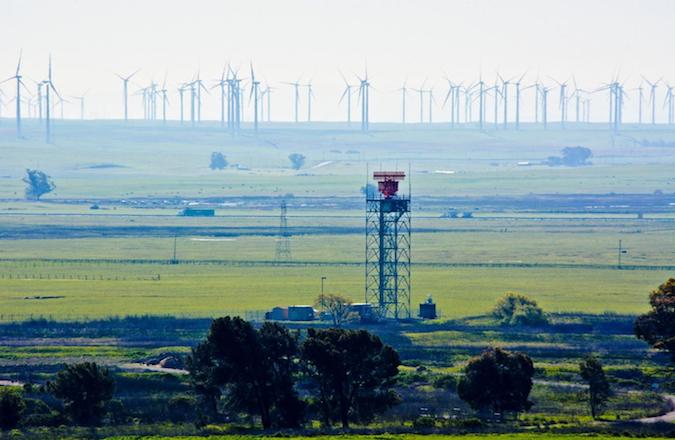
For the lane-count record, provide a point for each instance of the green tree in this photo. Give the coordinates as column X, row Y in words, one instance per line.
column 657, row 327
column 337, row 306
column 84, row 389
column 253, row 369
column 514, row 309
column 499, row 380
column 218, row 161
column 598, row 386
column 37, row 184
column 12, row 406
column 203, row 379
column 352, row 373
column 297, row 160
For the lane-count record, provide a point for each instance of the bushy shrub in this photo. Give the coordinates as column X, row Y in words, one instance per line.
column 514, row 309
column 181, row 409
column 12, row 406
column 446, row 382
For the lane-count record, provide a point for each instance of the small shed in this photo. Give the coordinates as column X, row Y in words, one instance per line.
column 277, row 314
column 428, row 309
column 364, row 310
column 301, row 313
column 197, row 212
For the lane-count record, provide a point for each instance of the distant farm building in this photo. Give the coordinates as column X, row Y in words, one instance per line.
column 197, row 212
column 428, row 309
column 291, row 313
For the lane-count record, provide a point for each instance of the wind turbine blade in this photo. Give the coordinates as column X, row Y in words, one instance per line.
column 51, row 85
column 18, row 65
column 344, row 94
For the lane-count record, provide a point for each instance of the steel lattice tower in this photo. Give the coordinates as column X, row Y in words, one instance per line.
column 283, row 251
column 388, row 247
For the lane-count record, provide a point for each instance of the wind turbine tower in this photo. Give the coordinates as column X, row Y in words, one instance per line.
column 347, row 94
column 254, row 95
column 652, row 97
column 125, row 81
column 19, row 83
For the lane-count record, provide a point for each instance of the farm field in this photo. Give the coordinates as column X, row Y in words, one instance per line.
column 99, row 159
column 103, row 290
column 81, row 266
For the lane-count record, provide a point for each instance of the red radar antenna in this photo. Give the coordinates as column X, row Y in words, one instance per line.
column 387, row 182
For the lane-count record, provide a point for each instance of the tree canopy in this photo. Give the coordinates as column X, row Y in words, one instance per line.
column 338, row 307
column 353, row 373
column 84, row 389
column 218, row 161
column 252, row 369
column 571, row 157
column 297, row 160
column 598, row 386
column 657, row 327
column 37, row 184
column 515, row 309
column 12, row 406
column 499, row 380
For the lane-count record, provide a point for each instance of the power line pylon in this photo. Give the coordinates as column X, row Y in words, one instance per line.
column 283, row 251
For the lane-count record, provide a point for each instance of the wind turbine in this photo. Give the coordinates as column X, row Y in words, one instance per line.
column 652, row 97
column 222, row 82
column 310, row 95
column 517, row 84
column 577, row 97
column 495, row 88
column 19, row 83
column 431, row 101
column 481, row 101
column 348, row 94
column 562, row 102
column 81, row 99
column 505, row 98
column 254, row 95
column 125, row 81
column 39, row 98
column 181, row 90
column 296, row 96
column 364, row 96
column 200, row 87
column 668, row 103
column 404, row 92
column 268, row 94
column 544, row 105
column 450, row 96
column 165, row 100
column 421, row 92
column 640, row 90
column 49, row 85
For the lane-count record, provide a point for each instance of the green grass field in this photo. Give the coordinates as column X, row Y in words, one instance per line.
column 214, row 290
column 99, row 159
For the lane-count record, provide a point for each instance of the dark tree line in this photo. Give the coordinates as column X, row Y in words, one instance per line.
column 348, row 375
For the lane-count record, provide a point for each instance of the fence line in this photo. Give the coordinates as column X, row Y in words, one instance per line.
column 300, row 263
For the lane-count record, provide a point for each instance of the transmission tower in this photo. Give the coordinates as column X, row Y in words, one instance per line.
column 283, row 251
column 388, row 247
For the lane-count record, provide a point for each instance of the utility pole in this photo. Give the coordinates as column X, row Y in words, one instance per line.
column 323, row 300
column 621, row 252
column 173, row 259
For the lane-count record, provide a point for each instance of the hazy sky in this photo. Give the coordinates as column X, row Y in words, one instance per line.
column 312, row 39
